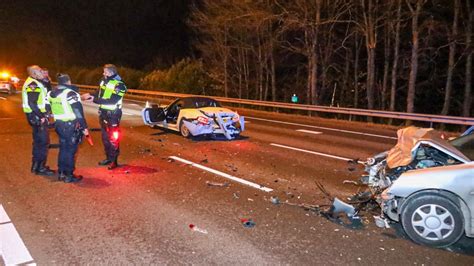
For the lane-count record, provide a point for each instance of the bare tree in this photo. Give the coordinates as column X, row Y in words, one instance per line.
column 396, row 49
column 370, row 19
column 386, row 64
column 303, row 19
column 451, row 64
column 467, row 87
column 415, row 13
column 211, row 20
column 357, row 46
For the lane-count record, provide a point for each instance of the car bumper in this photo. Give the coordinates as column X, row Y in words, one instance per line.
column 229, row 129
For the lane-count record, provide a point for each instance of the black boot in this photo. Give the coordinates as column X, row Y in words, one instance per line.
column 113, row 165
column 61, row 176
column 105, row 162
column 34, row 167
column 72, row 178
column 43, row 170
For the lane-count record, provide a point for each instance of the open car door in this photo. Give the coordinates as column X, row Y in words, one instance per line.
column 153, row 115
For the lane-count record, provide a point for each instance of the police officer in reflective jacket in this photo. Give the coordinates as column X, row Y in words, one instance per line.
column 109, row 97
column 36, row 106
column 70, row 126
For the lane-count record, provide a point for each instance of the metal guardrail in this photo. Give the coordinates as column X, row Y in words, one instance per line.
column 456, row 120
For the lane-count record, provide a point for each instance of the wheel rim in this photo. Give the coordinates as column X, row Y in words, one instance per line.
column 433, row 222
column 184, row 131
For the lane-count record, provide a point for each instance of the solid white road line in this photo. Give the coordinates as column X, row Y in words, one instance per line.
column 311, row 152
column 325, row 128
column 309, row 131
column 12, row 248
column 233, row 178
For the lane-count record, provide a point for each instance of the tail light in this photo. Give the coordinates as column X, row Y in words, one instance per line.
column 203, row 120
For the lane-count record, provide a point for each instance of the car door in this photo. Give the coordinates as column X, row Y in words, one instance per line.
column 172, row 112
column 153, row 115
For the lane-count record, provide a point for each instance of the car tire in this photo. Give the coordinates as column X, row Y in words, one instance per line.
column 432, row 220
column 183, row 129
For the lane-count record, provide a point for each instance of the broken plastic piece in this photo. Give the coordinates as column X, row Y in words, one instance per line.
column 350, row 182
column 197, row 229
column 215, row 184
column 339, row 206
column 381, row 222
column 247, row 223
column 275, row 200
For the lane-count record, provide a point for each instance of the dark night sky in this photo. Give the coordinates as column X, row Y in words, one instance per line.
column 59, row 34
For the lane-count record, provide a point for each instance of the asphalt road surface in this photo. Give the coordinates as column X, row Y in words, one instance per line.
column 143, row 211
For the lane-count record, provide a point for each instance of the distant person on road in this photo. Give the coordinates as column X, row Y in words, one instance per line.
column 36, row 108
column 70, row 124
column 109, row 97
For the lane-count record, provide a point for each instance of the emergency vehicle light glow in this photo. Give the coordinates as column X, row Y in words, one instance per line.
column 115, row 135
column 5, row 75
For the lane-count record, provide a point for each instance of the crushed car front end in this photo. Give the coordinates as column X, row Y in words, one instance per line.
column 427, row 184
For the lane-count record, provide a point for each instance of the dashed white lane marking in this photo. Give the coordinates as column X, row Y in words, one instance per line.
column 318, row 127
column 233, row 178
column 12, row 249
column 309, row 131
column 312, row 152
column 3, row 98
column 126, row 113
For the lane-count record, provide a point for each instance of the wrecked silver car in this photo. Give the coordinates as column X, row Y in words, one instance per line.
column 195, row 116
column 427, row 184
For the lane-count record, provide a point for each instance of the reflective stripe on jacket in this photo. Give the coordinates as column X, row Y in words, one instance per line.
column 107, row 90
column 39, row 88
column 61, row 107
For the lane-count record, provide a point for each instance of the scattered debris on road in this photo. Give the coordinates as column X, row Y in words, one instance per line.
column 352, row 164
column 247, row 223
column 197, row 229
column 215, row 184
column 350, row 182
column 275, row 200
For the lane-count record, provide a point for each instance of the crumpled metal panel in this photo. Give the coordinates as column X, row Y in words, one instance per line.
column 198, row 129
column 402, row 153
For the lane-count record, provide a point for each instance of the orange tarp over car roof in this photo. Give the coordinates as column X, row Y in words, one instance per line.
column 401, row 154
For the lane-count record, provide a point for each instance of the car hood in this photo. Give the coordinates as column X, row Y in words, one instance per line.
column 212, row 111
column 410, row 138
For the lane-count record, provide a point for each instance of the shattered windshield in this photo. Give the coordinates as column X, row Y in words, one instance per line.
column 465, row 144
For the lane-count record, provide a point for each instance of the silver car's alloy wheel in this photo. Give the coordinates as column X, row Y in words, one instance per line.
column 432, row 219
column 433, row 222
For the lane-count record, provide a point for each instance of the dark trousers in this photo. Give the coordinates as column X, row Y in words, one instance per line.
column 40, row 140
column 68, row 143
column 110, row 122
